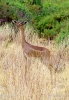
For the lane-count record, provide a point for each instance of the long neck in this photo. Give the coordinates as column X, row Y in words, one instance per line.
column 23, row 36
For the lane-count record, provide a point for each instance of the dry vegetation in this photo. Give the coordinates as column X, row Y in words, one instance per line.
column 12, row 71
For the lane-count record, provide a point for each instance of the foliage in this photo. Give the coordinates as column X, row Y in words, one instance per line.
column 47, row 16
column 64, row 31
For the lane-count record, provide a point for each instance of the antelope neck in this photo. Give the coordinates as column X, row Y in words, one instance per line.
column 23, row 36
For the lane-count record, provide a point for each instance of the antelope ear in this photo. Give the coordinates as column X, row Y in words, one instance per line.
column 25, row 22
column 22, row 23
column 14, row 21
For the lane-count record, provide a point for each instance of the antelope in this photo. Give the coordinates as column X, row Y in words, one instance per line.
column 31, row 50
column 35, row 51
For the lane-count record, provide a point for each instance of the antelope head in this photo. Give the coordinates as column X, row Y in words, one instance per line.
column 21, row 23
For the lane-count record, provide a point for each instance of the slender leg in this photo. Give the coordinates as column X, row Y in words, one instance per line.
column 27, row 66
column 53, row 77
column 25, row 60
column 28, row 70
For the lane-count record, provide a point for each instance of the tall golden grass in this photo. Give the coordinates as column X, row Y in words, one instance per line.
column 12, row 70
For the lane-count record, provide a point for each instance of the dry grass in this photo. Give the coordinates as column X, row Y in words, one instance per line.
column 12, row 72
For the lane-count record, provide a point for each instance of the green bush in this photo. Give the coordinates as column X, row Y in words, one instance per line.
column 48, row 17
column 64, row 31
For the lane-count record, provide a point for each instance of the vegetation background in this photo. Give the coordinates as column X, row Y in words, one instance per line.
column 49, row 17
column 48, row 26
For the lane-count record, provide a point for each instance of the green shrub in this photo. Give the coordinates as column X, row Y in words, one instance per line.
column 48, row 17
column 64, row 31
